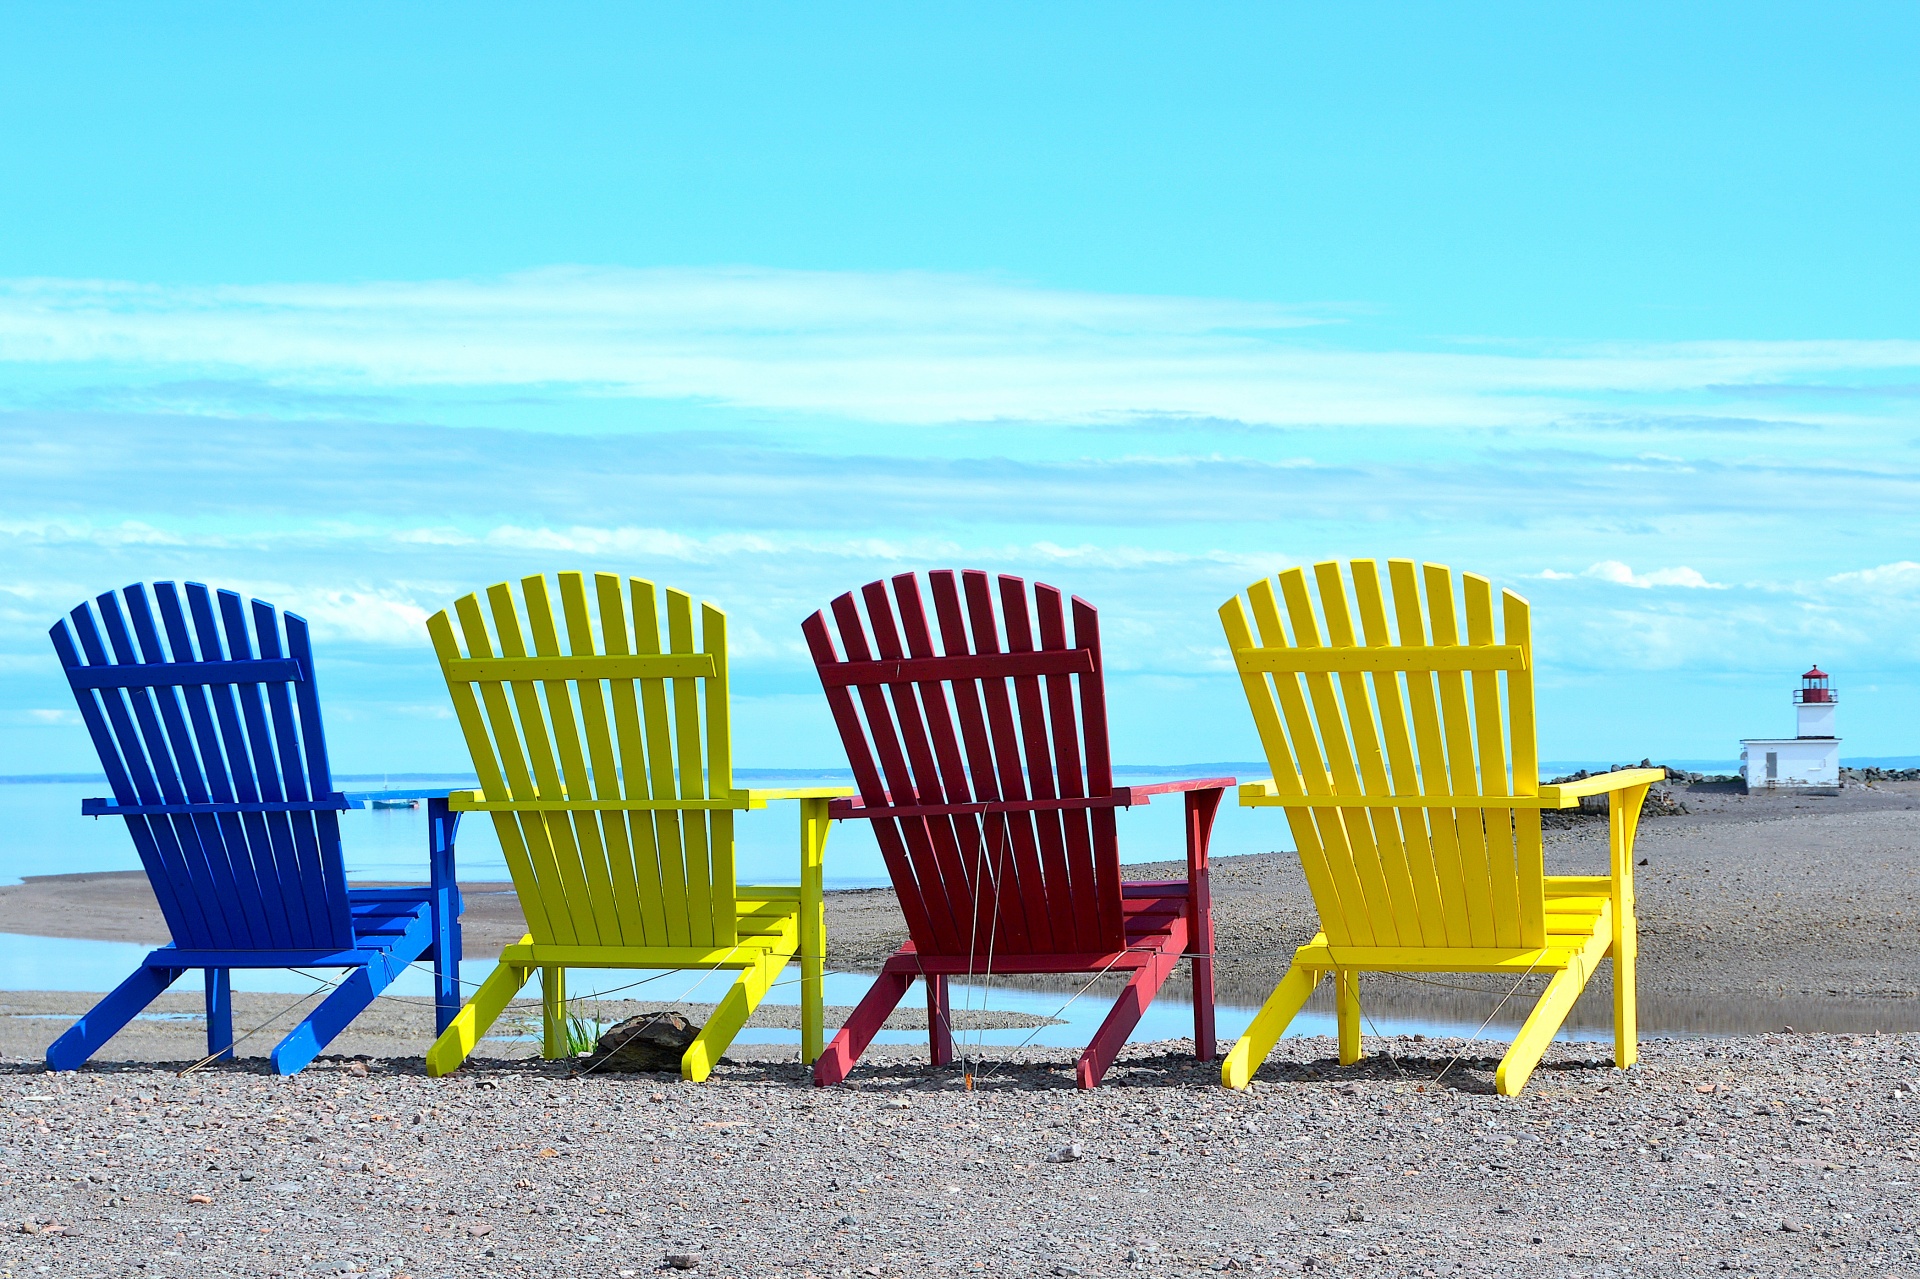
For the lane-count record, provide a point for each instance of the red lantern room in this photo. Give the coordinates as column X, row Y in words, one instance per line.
column 1814, row 689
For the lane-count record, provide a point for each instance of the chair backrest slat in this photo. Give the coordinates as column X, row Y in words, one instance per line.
column 1001, row 916
column 571, row 721
column 181, row 760
column 1403, row 707
column 937, row 842
column 996, row 719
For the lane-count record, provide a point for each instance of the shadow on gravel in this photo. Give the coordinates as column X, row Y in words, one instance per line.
column 1471, row 1075
column 1429, row 1071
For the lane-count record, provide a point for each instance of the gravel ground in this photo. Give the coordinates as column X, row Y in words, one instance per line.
column 175, row 1024
column 1773, row 1155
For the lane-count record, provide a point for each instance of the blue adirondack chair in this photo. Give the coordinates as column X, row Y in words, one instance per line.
column 212, row 745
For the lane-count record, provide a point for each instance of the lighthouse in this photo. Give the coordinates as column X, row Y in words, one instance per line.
column 1809, row 760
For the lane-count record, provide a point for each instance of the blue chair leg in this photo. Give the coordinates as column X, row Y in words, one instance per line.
column 442, row 826
column 306, row 1040
column 105, row 1019
column 220, row 1012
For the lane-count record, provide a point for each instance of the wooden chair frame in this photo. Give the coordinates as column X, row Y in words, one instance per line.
column 606, row 764
column 1415, row 802
column 983, row 767
column 212, row 744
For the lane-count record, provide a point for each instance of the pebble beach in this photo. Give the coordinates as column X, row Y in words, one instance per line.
column 1769, row 1156
column 1751, row 1149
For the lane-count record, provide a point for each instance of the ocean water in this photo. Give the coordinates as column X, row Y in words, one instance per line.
column 43, row 833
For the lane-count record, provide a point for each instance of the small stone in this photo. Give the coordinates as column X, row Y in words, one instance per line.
column 1067, row 1154
column 848, row 1219
column 682, row 1260
column 288, row 1188
column 1792, row 1227
column 248, row 1176
column 199, row 1199
column 478, row 1228
column 358, row 1069
column 657, row 1097
column 29, row 1228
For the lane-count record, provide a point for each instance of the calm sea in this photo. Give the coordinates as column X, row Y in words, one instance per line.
column 43, row 833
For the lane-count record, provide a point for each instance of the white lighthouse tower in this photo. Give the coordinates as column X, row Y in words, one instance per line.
column 1808, row 760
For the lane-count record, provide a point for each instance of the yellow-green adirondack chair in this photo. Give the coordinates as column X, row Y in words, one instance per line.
column 614, row 805
column 1415, row 802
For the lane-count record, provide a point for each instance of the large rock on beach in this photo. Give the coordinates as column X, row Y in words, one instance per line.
column 651, row 1041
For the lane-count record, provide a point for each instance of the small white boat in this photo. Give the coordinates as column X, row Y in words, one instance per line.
column 393, row 803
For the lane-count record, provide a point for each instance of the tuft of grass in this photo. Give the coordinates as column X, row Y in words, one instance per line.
column 583, row 1030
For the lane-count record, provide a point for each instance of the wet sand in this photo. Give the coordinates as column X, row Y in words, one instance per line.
column 1756, row 913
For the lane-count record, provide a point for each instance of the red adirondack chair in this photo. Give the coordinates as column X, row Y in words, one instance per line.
column 991, row 793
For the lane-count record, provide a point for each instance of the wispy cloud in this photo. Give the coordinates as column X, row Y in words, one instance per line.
column 365, row 454
column 1623, row 575
column 904, row 348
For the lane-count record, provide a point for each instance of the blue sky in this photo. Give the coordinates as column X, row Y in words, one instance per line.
column 360, row 309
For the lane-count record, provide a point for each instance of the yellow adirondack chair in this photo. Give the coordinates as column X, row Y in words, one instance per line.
column 614, row 805
column 1415, row 803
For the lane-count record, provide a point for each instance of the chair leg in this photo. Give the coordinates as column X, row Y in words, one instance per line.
column 442, row 826
column 1347, row 1015
column 1622, row 824
column 1282, row 1006
column 1204, row 1045
column 553, row 1013
column 477, row 1018
column 813, row 1015
column 306, row 1041
column 729, row 1015
column 219, row 1012
column 870, row 1014
column 939, row 1020
column 1626, row 1005
column 105, row 1019
column 814, row 825
column 1542, row 1024
column 1127, row 1010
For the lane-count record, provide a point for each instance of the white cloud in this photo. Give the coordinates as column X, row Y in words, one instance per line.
column 902, row 348
column 383, row 616
column 1902, row 576
column 1620, row 574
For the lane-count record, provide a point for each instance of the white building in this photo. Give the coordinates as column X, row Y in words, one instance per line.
column 1812, row 757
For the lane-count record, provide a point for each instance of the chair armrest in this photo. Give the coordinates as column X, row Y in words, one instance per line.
column 1253, row 792
column 1570, row 793
column 1140, row 794
column 758, row 797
